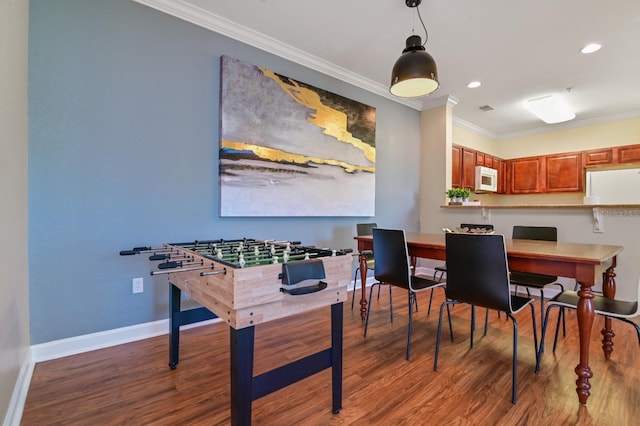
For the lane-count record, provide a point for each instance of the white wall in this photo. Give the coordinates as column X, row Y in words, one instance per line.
column 14, row 295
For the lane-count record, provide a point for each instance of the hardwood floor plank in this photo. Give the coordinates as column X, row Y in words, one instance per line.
column 132, row 383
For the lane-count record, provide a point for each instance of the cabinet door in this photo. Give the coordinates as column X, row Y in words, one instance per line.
column 468, row 168
column 501, row 166
column 526, row 175
column 629, row 154
column 456, row 166
column 564, row 172
column 480, row 158
column 488, row 161
column 598, row 157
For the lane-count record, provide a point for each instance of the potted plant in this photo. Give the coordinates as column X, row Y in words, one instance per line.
column 465, row 194
column 455, row 195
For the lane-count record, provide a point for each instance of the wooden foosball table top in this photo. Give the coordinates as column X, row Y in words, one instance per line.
column 240, row 280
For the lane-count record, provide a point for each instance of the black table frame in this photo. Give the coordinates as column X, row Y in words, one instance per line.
column 245, row 388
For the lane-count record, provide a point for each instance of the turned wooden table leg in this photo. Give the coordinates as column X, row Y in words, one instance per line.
column 609, row 290
column 585, row 323
column 363, row 286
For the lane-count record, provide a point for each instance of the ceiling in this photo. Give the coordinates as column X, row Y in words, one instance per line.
column 518, row 50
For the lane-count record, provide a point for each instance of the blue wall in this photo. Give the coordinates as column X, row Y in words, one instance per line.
column 123, row 122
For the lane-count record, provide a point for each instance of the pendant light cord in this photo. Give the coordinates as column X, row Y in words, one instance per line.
column 426, row 34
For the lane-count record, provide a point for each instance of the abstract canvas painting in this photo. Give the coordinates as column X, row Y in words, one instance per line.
column 291, row 149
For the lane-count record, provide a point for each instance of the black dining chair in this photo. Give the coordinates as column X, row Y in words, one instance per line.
column 440, row 271
column 393, row 267
column 478, row 274
column 621, row 310
column 531, row 280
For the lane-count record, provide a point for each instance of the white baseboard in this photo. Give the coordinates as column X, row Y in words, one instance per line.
column 20, row 390
column 104, row 339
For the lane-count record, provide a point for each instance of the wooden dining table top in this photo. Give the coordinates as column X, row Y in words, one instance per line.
column 588, row 253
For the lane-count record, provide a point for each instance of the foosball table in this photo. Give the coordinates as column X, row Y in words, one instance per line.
column 247, row 282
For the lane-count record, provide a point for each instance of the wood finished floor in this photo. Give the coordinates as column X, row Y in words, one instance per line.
column 131, row 384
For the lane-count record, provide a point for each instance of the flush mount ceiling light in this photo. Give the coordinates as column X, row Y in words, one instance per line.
column 550, row 109
column 414, row 73
column 590, row 48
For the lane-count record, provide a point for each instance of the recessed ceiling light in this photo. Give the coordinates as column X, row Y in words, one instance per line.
column 474, row 84
column 590, row 48
column 550, row 109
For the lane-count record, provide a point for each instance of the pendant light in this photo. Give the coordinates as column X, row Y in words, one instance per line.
column 414, row 73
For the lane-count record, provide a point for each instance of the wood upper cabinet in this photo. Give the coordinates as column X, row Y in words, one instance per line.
column 480, row 156
column 598, row 157
column 501, row 166
column 456, row 166
column 564, row 172
column 488, row 161
column 628, row 154
column 468, row 168
column 526, row 175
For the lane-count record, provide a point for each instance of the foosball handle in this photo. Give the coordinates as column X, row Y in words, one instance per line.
column 169, row 265
column 159, row 257
column 135, row 250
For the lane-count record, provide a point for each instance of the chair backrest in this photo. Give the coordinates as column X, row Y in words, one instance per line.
column 484, row 226
column 477, row 271
column 365, row 228
column 392, row 257
column 544, row 233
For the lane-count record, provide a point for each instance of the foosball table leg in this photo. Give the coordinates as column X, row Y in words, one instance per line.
column 336, row 356
column 242, row 347
column 174, row 325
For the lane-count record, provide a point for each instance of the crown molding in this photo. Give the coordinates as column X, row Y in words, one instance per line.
column 203, row 18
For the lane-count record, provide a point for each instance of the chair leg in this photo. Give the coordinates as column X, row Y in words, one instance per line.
column 355, row 283
column 390, row 302
column 486, row 320
column 514, row 376
column 366, row 322
column 412, row 296
column 633, row 324
column 541, row 307
column 430, row 300
column 473, row 325
column 439, row 333
column 564, row 326
column 544, row 332
column 555, row 337
column 535, row 328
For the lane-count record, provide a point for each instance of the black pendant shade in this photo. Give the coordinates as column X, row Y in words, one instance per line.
column 415, row 72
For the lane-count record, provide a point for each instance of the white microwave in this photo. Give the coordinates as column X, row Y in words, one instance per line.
column 486, row 179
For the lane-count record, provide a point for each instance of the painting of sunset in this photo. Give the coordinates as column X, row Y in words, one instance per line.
column 290, row 149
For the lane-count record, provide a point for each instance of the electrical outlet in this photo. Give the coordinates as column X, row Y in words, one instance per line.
column 138, row 285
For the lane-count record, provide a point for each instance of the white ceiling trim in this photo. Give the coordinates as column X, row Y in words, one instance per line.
column 221, row 25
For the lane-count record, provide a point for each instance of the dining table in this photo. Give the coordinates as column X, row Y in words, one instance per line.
column 580, row 261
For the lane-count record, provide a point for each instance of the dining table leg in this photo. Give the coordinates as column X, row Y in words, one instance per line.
column 609, row 290
column 363, row 285
column 585, row 323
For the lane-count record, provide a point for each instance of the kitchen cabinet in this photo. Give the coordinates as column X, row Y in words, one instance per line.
column 526, row 175
column 456, row 166
column 553, row 173
column 598, row 157
column 468, row 168
column 629, row 154
column 564, row 172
